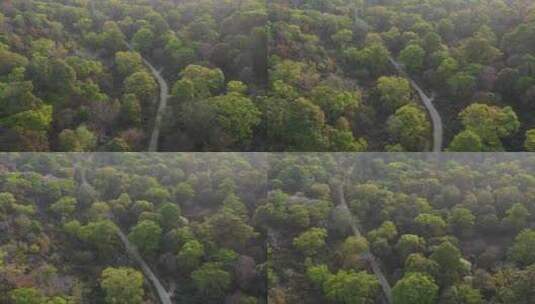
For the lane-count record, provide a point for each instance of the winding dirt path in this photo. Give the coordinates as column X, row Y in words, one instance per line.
column 436, row 120
column 438, row 130
column 162, row 105
column 164, row 296
column 164, row 96
column 376, row 268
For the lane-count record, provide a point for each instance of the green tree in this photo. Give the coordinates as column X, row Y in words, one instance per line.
column 432, row 42
column 463, row 294
column 57, row 300
column 299, row 216
column 228, row 230
column 38, row 119
column 431, row 224
column 143, row 40
column 297, row 124
column 517, row 216
column 461, row 221
column 157, row 195
column 146, row 236
column 6, row 201
column 55, row 77
column 409, row 126
column 412, row 57
column 387, row 231
column 466, row 141
column 415, row 288
column 86, row 68
column 448, row 257
column 10, row 60
column 529, row 143
column 184, row 192
column 111, row 39
column 101, row 234
column 515, row 286
column 79, row 140
column 131, row 110
column 343, row 38
column 190, row 255
column 350, row 287
column 462, row 84
column 198, row 82
column 523, row 250
column 169, row 215
column 318, row 274
column 410, row 243
column 490, row 123
column 65, row 206
column 394, row 91
column 352, row 248
column 233, row 204
column 211, row 280
column 373, row 57
column 335, row 102
column 416, row 262
column 142, row 85
column 447, row 69
column 311, row 241
column 128, row 63
column 122, row 285
column 109, row 182
column 479, row 50
column 237, row 114
column 26, row 296
column 17, row 97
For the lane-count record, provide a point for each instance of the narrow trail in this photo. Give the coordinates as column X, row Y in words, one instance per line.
column 436, row 120
column 438, row 130
column 376, row 268
column 164, row 97
column 164, row 296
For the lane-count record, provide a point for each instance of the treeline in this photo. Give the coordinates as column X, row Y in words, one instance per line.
column 441, row 229
column 188, row 215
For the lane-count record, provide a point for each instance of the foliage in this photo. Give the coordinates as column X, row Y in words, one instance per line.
column 311, row 241
column 122, row 285
column 146, row 236
column 523, row 251
column 211, row 280
column 415, row 288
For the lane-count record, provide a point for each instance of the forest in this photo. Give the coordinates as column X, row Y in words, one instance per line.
column 255, row 228
column 400, row 228
column 124, row 75
column 131, row 228
column 258, row 75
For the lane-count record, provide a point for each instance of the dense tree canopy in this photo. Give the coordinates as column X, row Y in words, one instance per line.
column 449, row 228
column 122, row 285
column 75, row 226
